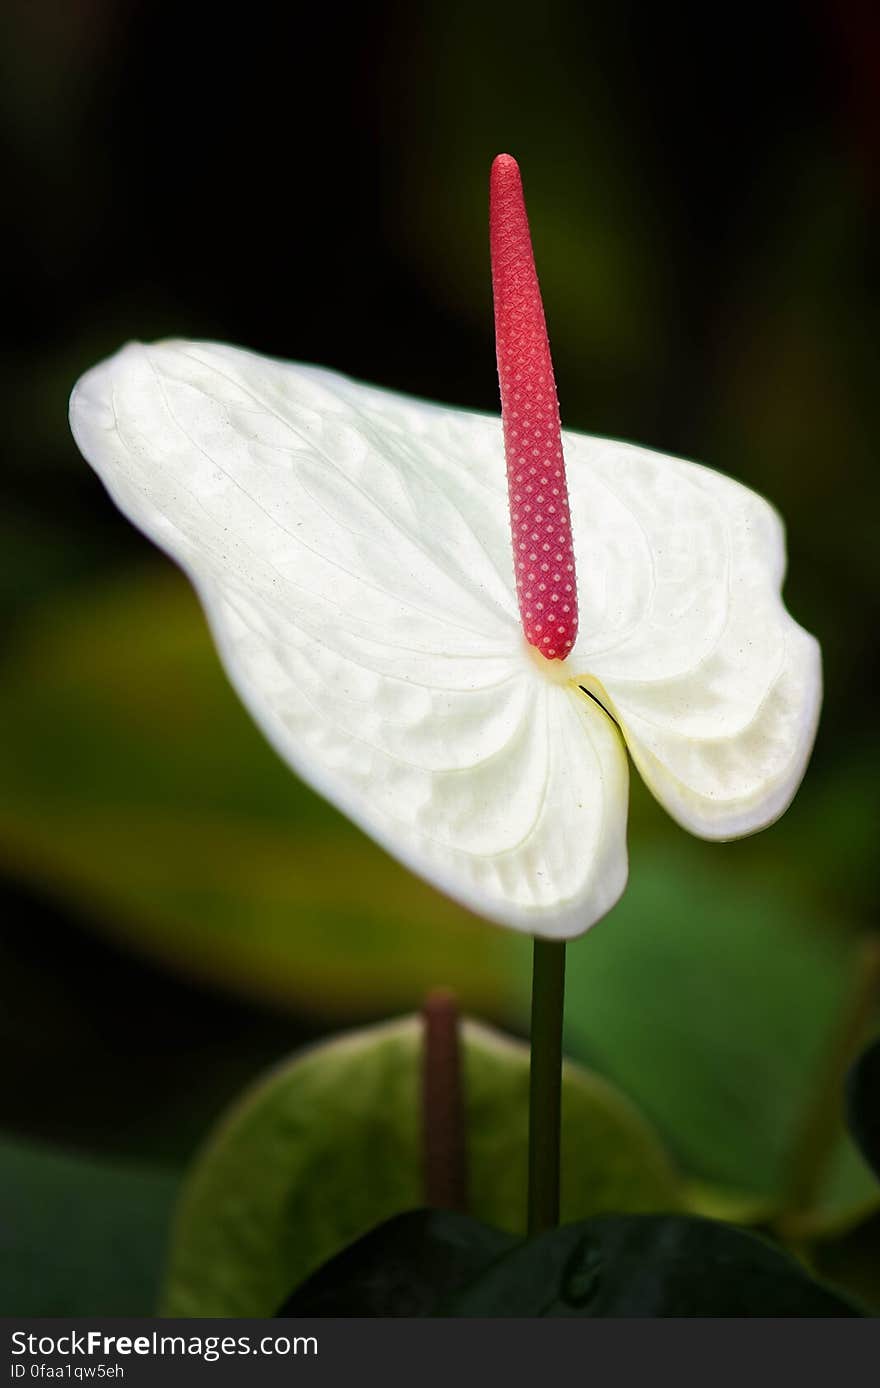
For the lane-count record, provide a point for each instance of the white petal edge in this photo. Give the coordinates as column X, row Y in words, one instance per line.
column 350, row 549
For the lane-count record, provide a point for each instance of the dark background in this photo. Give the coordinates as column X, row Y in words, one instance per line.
column 311, row 182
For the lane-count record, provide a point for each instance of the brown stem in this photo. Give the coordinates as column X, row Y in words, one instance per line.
column 443, row 1124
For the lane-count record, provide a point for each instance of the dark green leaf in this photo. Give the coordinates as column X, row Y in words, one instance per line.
column 850, row 1257
column 863, row 1104
column 400, row 1269
column 645, row 1265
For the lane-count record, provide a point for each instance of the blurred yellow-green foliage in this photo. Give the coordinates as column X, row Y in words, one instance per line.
column 311, row 182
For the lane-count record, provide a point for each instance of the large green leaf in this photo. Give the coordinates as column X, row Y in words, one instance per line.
column 79, row 1237
column 711, row 1002
column 137, row 787
column 328, row 1146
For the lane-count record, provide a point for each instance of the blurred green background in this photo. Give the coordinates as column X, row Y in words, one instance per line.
column 312, row 182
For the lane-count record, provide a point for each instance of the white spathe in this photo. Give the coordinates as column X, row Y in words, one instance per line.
column 352, row 552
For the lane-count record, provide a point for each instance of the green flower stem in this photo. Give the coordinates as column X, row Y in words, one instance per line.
column 545, row 1084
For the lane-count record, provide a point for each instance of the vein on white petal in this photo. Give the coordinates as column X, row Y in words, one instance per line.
column 322, row 709
column 291, row 535
column 316, row 446
column 366, row 398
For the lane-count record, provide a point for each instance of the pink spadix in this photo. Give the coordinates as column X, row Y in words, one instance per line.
column 540, row 520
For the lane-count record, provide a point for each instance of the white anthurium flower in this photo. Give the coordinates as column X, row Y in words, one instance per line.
column 352, row 551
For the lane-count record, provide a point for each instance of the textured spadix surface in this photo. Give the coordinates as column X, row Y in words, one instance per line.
column 352, row 551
